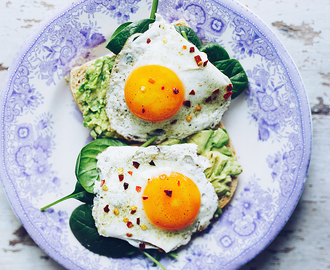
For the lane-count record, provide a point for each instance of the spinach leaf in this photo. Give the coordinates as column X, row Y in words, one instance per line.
column 219, row 57
column 215, row 52
column 191, row 35
column 117, row 42
column 79, row 193
column 235, row 72
column 82, row 225
column 86, row 170
column 119, row 29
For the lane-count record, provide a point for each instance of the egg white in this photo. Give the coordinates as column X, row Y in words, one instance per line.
column 165, row 49
column 178, row 158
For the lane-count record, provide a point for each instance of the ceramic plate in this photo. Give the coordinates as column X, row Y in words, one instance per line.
column 42, row 132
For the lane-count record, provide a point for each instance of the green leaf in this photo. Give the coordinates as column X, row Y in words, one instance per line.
column 215, row 52
column 79, row 193
column 117, row 42
column 119, row 29
column 86, row 170
column 82, row 195
column 235, row 72
column 183, row 33
column 82, row 225
column 191, row 35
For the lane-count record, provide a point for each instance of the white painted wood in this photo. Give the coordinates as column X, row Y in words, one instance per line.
column 304, row 28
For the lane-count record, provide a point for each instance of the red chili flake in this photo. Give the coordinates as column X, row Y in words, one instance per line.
column 174, row 121
column 178, row 183
column 143, row 110
column 208, row 99
column 168, row 192
column 142, row 245
column 136, row 164
column 130, row 172
column 133, row 212
column 187, row 103
column 175, row 91
column 163, row 87
column 129, row 224
column 192, row 92
column 205, row 63
column 214, row 98
column 216, row 92
column 106, row 208
column 152, row 163
column 121, row 177
column 198, row 60
column 192, row 49
column 138, row 188
column 144, row 197
column 227, row 95
column 138, row 221
column 125, row 185
column 102, row 183
column 229, row 87
column 148, row 40
column 129, row 234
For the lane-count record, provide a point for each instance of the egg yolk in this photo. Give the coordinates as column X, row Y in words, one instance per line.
column 153, row 93
column 171, row 202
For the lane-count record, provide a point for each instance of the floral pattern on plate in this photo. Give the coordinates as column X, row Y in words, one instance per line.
column 42, row 132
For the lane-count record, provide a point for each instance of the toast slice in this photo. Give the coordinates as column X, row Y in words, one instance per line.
column 88, row 85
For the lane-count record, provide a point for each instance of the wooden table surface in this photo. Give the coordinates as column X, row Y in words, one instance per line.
column 303, row 26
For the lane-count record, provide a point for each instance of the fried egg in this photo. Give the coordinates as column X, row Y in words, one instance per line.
column 154, row 197
column 161, row 84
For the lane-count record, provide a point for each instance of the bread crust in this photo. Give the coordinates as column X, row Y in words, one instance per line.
column 181, row 22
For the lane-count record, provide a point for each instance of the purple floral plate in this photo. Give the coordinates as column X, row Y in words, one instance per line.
column 42, row 132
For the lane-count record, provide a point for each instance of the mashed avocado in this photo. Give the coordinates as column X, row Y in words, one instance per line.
column 212, row 145
column 91, row 97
